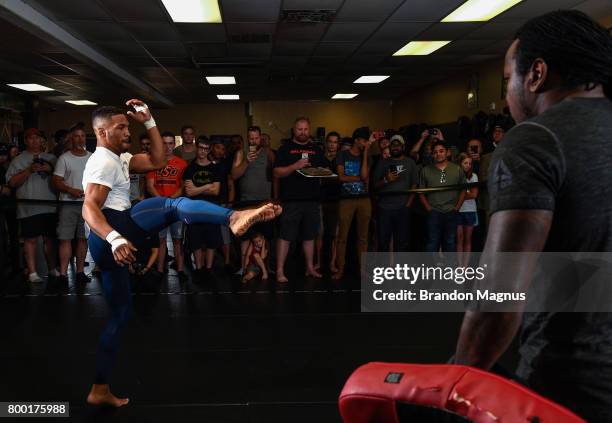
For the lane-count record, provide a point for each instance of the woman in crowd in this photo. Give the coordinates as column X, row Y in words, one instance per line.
column 468, row 216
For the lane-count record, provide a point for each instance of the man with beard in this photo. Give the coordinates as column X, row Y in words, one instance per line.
column 299, row 195
column 396, row 174
column 545, row 197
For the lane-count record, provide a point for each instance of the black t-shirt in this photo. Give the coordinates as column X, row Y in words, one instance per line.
column 203, row 175
column 223, row 169
column 561, row 161
column 296, row 186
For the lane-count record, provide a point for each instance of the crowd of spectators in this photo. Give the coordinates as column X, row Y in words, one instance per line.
column 366, row 205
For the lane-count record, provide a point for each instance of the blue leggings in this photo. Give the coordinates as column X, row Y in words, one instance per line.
column 137, row 224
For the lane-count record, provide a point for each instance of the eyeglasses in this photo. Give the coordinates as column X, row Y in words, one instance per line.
column 443, row 176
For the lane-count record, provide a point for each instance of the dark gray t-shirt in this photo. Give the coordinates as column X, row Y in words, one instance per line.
column 561, row 161
column 407, row 177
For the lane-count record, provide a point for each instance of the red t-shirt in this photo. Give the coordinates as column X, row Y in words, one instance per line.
column 168, row 180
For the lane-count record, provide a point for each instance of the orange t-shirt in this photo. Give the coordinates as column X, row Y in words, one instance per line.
column 168, row 180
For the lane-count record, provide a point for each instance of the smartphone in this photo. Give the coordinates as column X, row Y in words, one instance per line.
column 474, row 149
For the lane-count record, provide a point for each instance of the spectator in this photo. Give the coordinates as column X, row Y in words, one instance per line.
column 13, row 152
column 5, row 195
column 227, row 191
column 395, row 174
column 474, row 150
column 498, row 135
column 353, row 173
column 187, row 150
column 330, row 193
column 138, row 185
column 383, row 143
column 143, row 276
column 203, row 182
column 299, row 196
column 29, row 173
column 442, row 206
column 62, row 142
column 68, row 180
column 346, row 143
column 9, row 209
column 253, row 174
column 168, row 182
column 468, row 217
column 254, row 261
column 422, row 150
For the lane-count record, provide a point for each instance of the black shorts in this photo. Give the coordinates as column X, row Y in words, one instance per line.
column 204, row 235
column 39, row 225
column 300, row 219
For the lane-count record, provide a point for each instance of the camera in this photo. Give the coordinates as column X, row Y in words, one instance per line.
column 474, row 149
column 433, row 132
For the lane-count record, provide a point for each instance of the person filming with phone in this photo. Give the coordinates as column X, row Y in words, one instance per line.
column 392, row 176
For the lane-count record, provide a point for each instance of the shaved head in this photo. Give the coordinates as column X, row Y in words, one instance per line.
column 103, row 115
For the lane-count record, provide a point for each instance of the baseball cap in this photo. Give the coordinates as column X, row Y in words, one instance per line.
column 399, row 138
column 31, row 131
column 362, row 132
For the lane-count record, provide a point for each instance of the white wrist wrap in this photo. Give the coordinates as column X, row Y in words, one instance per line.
column 150, row 123
column 115, row 239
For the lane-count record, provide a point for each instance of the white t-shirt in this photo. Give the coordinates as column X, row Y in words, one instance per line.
column 469, row 205
column 106, row 168
column 36, row 187
column 71, row 168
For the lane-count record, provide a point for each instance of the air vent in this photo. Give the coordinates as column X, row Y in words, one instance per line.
column 251, row 38
column 308, row 16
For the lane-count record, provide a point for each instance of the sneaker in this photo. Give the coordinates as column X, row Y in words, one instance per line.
column 34, row 278
column 240, row 272
column 54, row 273
column 82, row 278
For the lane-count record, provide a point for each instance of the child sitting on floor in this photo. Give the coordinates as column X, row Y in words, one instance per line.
column 254, row 263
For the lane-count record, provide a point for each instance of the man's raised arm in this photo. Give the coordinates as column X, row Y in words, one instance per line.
column 155, row 159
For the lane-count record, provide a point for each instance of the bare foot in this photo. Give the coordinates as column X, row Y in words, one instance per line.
column 333, row 268
column 317, row 267
column 242, row 220
column 264, row 277
column 101, row 395
column 280, row 278
column 313, row 273
column 338, row 275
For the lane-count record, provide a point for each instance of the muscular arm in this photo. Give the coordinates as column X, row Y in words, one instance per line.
column 484, row 337
column 95, row 196
column 60, row 184
column 154, row 160
column 239, row 165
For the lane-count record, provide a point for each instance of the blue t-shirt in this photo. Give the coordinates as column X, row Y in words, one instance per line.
column 352, row 167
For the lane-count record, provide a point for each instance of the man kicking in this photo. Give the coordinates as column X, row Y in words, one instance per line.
column 117, row 231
